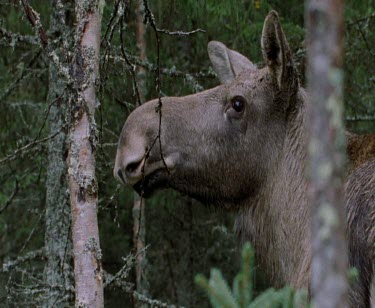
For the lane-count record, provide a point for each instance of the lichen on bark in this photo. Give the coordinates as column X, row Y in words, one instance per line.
column 83, row 137
column 58, row 270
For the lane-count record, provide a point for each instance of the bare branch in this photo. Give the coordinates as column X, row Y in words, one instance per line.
column 149, row 17
column 47, row 113
column 130, row 66
column 118, row 280
column 366, row 18
column 171, row 72
column 30, row 145
column 152, row 302
column 123, row 273
column 180, row 33
column 12, row 38
column 34, row 19
column 9, row 201
column 31, row 232
column 24, row 74
column 363, row 36
column 32, row 255
column 360, row 118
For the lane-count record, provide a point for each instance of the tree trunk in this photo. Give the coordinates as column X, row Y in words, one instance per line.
column 81, row 159
column 58, row 271
column 139, row 234
column 327, row 152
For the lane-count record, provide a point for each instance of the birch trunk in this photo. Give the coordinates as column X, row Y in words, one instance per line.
column 58, row 271
column 327, row 152
column 81, row 159
column 139, row 227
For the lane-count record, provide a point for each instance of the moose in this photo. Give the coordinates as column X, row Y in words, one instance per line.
column 242, row 146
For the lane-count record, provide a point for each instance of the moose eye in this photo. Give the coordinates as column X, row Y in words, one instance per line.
column 238, row 103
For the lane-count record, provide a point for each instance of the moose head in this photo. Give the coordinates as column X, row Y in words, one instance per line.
column 219, row 145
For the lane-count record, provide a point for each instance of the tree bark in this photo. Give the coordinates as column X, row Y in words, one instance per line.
column 81, row 159
column 58, row 246
column 139, row 236
column 139, row 226
column 326, row 152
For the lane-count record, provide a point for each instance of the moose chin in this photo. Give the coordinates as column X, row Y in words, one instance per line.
column 243, row 145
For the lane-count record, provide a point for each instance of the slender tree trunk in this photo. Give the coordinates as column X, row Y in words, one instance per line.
column 139, row 231
column 58, row 271
column 81, row 159
column 139, row 236
column 327, row 152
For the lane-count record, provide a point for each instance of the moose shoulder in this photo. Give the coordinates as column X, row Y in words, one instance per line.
column 242, row 145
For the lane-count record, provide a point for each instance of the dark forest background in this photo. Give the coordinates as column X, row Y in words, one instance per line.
column 184, row 237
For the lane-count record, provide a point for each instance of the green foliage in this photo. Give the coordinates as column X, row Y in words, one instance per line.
column 242, row 293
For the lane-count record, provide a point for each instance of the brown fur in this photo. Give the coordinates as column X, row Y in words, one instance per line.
column 360, row 148
column 360, row 194
column 251, row 161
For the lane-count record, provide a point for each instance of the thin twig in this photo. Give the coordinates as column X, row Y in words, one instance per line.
column 369, row 49
column 30, row 145
column 12, row 38
column 149, row 17
column 32, row 255
column 124, row 271
column 31, row 233
column 172, row 72
column 116, row 18
column 24, row 74
column 131, row 67
column 111, row 198
column 366, row 18
column 47, row 113
column 360, row 118
column 9, row 201
column 180, row 33
column 34, row 19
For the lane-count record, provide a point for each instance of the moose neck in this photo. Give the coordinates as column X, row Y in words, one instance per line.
column 276, row 221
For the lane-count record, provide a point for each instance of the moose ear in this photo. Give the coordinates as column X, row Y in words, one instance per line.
column 277, row 54
column 227, row 63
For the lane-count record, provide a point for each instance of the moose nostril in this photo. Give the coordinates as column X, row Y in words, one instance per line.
column 130, row 168
column 119, row 173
